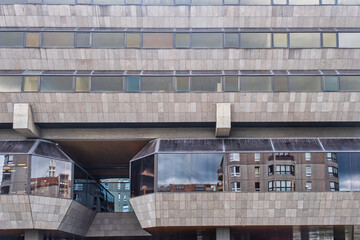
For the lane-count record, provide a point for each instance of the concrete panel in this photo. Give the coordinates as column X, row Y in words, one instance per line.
column 223, row 119
column 15, row 212
column 23, row 121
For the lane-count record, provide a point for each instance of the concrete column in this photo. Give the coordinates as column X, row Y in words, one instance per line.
column 222, row 233
column 23, row 121
column 34, row 235
column 356, row 232
column 223, row 119
column 296, row 233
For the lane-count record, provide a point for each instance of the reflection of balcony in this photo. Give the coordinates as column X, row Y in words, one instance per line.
column 282, row 157
column 220, row 174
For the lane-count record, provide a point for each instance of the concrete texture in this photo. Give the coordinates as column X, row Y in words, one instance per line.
column 247, row 209
column 23, row 121
column 223, row 119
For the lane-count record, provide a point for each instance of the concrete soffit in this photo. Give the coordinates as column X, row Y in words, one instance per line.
column 23, row 121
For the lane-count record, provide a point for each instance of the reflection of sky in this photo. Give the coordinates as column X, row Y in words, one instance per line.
column 188, row 168
column 349, row 171
column 40, row 167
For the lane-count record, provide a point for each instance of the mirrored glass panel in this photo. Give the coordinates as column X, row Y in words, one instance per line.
column 107, row 84
column 58, row 39
column 13, row 174
column 103, row 2
column 255, row 40
column 157, row 2
column 142, row 176
column 82, row 84
column 331, row 83
column 11, row 39
column 182, row 84
column 31, row 83
column 280, row 40
column 231, row 2
column 329, row 40
column 348, row 171
column 182, row 40
column 10, row 83
column 349, row 40
column 255, row 83
column 350, row 83
column 56, row 84
column 83, row 39
column 231, row 40
column 157, row 84
column 304, row 40
column 132, row 84
column 206, row 40
column 231, row 84
column 133, row 40
column 206, row 2
column 32, row 39
column 133, row 1
column 255, row 2
column 158, row 40
column 281, row 84
column 108, row 40
column 305, row 83
column 304, row 2
column 279, row 2
column 206, row 84
column 348, row 2
column 330, row 2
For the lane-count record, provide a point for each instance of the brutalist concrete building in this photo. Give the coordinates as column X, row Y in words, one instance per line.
column 179, row 119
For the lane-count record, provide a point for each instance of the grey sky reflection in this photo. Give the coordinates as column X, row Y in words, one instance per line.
column 349, row 171
column 188, row 168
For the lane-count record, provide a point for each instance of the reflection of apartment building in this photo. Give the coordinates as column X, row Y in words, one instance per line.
column 13, row 174
column 51, row 186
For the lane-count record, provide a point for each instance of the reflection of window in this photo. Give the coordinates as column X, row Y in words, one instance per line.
column 334, row 186
column 307, row 156
column 235, row 171
column 333, row 171
column 257, row 157
column 257, row 171
column 308, row 170
column 106, row 185
column 281, row 186
column 119, row 186
column 308, row 186
column 257, row 186
column 285, row 169
column 331, row 157
column 127, row 186
column 271, row 170
column 234, row 157
column 235, row 187
column 119, row 196
column 125, row 208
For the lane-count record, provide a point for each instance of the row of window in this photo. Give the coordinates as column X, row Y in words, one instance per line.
column 150, row 40
column 187, row 2
column 179, row 84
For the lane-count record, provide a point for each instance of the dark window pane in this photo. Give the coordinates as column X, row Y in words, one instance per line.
column 305, row 83
column 13, row 174
column 244, row 145
column 157, row 40
column 350, row 83
column 255, row 83
column 58, row 39
column 149, row 148
column 182, row 84
column 11, row 39
column 10, row 83
column 206, row 40
column 161, row 84
column 56, row 84
column 333, row 145
column 107, row 84
column 191, row 145
column 206, row 84
column 231, row 40
column 182, row 40
column 108, row 40
column 255, row 40
column 82, row 39
column 231, row 84
column 331, row 83
column 142, row 176
column 16, row 146
column 281, row 84
column 49, row 149
column 304, row 40
column 132, row 84
column 300, row 145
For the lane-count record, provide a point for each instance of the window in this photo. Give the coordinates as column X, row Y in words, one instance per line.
column 157, row 40
column 329, row 40
column 349, row 40
column 208, row 84
column 11, row 39
column 127, row 186
column 231, row 40
column 182, row 40
column 32, row 39
column 333, row 171
column 58, row 39
column 257, row 186
column 334, row 186
column 108, row 40
column 157, row 84
column 133, row 40
column 83, row 39
column 106, row 84
column 125, row 208
column 257, row 157
column 350, row 83
column 285, row 169
column 10, row 84
column 331, row 83
column 235, row 187
column 56, row 84
column 82, row 84
column 255, row 2
column 271, row 170
column 256, row 83
column 235, row 171
column 119, row 186
column 257, row 171
column 305, row 83
column 206, row 40
column 119, row 197
column 280, row 40
column 234, row 157
column 331, row 157
column 182, row 84
column 255, row 40
column 281, row 84
column 308, row 186
column 304, row 40
column 231, row 84
column 132, row 84
column 307, row 156
column 31, row 83
column 281, row 186
column 106, row 185
column 308, row 171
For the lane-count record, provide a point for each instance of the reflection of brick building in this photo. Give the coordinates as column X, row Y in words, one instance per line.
column 52, row 186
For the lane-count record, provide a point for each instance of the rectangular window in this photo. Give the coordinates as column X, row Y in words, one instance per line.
column 58, row 39
column 333, row 171
column 133, row 1
column 255, row 2
column 271, row 170
column 305, row 83
column 107, row 84
column 349, row 40
column 331, row 157
column 304, row 40
column 281, row 84
column 334, row 186
column 56, row 84
column 308, row 171
column 231, row 40
column 11, row 39
column 108, row 40
column 83, row 39
column 231, row 2
column 127, row 186
column 257, row 186
column 235, row 171
column 31, row 83
column 331, row 83
column 119, row 186
column 308, row 156
column 182, row 40
column 256, row 83
column 133, row 40
column 32, row 39
column 182, row 2
column 82, row 84
column 119, row 197
column 182, row 84
column 350, row 83
column 206, row 2
column 235, row 187
column 206, row 40
column 231, row 84
column 280, row 40
column 280, row 2
column 132, row 84
column 270, row 186
column 205, row 84
column 303, row 2
column 10, row 83
column 285, row 169
column 257, row 171
column 308, row 186
column 255, row 40
column 234, row 157
column 329, row 40
column 106, row 185
column 157, row 84
column 157, row 40
column 330, row 2
column 257, row 157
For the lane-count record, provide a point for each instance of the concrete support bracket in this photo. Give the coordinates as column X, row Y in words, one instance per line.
column 23, row 121
column 223, row 119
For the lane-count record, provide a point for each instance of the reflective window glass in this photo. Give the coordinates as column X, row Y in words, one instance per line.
column 331, row 83
column 206, row 84
column 133, row 40
column 281, row 84
column 186, row 2
column 303, row 2
column 107, row 84
column 10, row 83
column 82, row 39
column 157, row 2
column 59, row 1
column 142, row 176
column 255, row 2
column 161, row 84
column 231, row 40
column 206, row 2
column 280, row 40
column 157, row 40
column 255, row 83
column 133, row 1
column 231, row 84
column 206, row 40
column 56, row 84
column 350, row 83
column 328, row 1
column 33, row 1
column 108, row 40
column 132, row 84
column 348, row 2
column 231, row 1
column 50, row 177
column 11, row 1
column 32, row 39
column 349, row 40
column 83, row 1
column 82, row 84
column 13, row 174
column 182, row 84
column 182, row 40
column 108, row 2
column 305, row 83
column 329, row 40
column 11, row 39
column 255, row 40
column 304, row 40
column 279, row 2
column 31, row 83
column 58, row 39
